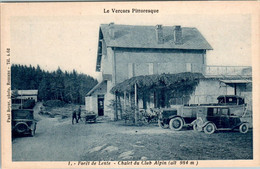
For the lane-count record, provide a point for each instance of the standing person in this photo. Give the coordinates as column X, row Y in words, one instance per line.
column 79, row 113
column 74, row 116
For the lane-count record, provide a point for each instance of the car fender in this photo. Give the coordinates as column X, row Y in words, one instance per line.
column 33, row 126
column 194, row 122
column 204, row 124
column 198, row 122
column 237, row 126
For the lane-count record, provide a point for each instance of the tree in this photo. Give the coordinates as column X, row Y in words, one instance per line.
column 56, row 85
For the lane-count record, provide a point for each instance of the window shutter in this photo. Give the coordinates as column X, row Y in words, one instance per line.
column 151, row 69
column 188, row 67
column 130, row 70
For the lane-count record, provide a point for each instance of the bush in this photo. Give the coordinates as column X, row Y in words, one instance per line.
column 29, row 104
column 54, row 103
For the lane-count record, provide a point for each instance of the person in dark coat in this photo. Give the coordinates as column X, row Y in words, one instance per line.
column 79, row 113
column 74, row 116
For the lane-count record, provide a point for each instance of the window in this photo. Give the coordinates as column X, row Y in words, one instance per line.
column 210, row 111
column 213, row 112
column 188, row 67
column 225, row 112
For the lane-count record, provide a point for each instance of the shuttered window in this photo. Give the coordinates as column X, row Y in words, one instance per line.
column 151, row 72
column 188, row 67
column 130, row 70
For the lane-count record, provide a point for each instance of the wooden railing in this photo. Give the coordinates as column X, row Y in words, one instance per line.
column 227, row 70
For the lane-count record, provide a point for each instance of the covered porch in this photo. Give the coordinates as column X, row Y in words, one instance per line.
column 152, row 91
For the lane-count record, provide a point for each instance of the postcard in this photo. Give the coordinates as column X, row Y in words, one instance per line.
column 130, row 84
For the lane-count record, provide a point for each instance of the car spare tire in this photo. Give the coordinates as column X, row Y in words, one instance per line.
column 21, row 127
column 243, row 128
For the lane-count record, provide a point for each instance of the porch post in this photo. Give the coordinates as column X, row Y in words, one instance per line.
column 235, row 87
column 124, row 100
column 130, row 99
column 116, row 110
column 120, row 106
column 136, row 105
column 144, row 100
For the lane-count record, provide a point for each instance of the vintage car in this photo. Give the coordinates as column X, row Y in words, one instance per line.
column 23, row 122
column 220, row 117
column 90, row 117
column 177, row 118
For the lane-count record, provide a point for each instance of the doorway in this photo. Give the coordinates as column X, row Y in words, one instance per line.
column 100, row 105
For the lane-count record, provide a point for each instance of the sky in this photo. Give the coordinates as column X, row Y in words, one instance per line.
column 70, row 42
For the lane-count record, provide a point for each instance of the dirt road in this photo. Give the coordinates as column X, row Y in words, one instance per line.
column 57, row 139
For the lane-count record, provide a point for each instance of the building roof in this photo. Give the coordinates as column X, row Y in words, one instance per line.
column 95, row 88
column 237, row 81
column 132, row 36
column 179, row 81
column 27, row 92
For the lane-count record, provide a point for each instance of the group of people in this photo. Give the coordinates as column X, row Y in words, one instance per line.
column 76, row 115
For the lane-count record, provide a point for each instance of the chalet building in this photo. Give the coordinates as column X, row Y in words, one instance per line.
column 24, row 95
column 128, row 51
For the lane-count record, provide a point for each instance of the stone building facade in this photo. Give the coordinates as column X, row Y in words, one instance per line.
column 125, row 51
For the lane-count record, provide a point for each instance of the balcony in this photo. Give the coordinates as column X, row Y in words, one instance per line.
column 220, row 71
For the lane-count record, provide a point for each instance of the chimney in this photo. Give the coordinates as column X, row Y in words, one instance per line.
column 159, row 34
column 111, row 30
column 177, row 33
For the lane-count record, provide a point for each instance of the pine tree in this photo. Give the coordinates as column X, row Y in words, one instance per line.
column 57, row 85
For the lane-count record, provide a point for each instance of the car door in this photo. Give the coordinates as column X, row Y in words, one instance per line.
column 213, row 115
column 224, row 117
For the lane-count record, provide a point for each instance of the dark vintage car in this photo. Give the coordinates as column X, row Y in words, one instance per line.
column 90, row 117
column 220, row 117
column 23, row 122
column 177, row 118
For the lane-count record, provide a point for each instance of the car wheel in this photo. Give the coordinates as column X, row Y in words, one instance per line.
column 162, row 125
column 176, row 124
column 209, row 128
column 243, row 128
column 21, row 128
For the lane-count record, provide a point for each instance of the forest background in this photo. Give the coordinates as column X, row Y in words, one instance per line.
column 69, row 87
